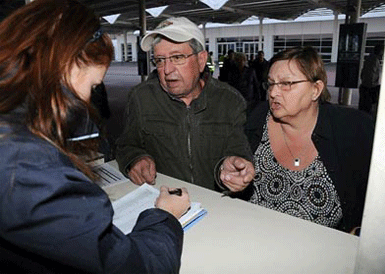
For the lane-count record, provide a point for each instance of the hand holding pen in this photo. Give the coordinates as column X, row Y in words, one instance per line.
column 174, row 200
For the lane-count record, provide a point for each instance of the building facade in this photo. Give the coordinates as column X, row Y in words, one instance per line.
column 271, row 36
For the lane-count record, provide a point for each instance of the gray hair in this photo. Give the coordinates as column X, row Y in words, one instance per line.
column 194, row 43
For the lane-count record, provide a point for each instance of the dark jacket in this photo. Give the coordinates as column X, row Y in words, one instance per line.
column 99, row 99
column 185, row 142
column 343, row 138
column 261, row 69
column 246, row 83
column 228, row 66
column 53, row 219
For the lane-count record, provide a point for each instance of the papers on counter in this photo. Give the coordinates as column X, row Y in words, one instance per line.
column 108, row 175
column 128, row 208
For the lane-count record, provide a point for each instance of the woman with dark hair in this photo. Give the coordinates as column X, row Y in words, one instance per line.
column 53, row 218
column 311, row 158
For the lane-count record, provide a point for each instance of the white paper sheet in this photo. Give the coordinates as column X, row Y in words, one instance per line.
column 128, row 208
column 108, row 175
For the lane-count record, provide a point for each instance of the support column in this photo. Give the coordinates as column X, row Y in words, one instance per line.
column 260, row 33
column 268, row 45
column 204, row 33
column 143, row 27
column 335, row 38
column 371, row 255
column 353, row 11
column 125, row 57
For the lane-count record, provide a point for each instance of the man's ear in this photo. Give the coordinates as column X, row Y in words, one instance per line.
column 202, row 60
column 317, row 89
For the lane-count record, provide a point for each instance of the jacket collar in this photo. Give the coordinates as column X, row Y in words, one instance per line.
column 81, row 126
column 199, row 104
column 323, row 128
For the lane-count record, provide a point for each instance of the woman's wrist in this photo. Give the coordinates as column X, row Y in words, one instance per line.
column 217, row 174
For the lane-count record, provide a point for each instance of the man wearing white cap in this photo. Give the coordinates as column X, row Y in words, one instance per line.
column 184, row 123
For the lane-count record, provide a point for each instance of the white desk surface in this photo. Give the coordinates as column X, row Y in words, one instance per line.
column 239, row 237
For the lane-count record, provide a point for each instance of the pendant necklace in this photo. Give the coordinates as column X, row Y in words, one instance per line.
column 297, row 160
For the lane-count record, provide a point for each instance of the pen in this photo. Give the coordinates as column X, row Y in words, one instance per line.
column 226, row 193
column 176, row 191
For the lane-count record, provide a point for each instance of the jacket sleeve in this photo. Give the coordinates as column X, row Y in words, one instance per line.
column 130, row 146
column 51, row 209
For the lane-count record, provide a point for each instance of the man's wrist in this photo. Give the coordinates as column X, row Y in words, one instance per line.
column 135, row 160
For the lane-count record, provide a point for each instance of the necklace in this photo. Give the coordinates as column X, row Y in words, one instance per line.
column 297, row 160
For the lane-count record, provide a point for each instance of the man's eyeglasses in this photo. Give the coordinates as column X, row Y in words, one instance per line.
column 284, row 85
column 177, row 59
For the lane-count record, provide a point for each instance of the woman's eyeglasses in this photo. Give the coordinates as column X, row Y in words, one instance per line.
column 284, row 85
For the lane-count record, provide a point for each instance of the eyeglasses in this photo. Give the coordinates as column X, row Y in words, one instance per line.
column 284, row 85
column 177, row 59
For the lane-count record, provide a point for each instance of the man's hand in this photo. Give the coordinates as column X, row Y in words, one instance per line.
column 143, row 171
column 236, row 173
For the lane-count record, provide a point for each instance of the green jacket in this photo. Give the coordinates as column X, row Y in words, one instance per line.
column 186, row 142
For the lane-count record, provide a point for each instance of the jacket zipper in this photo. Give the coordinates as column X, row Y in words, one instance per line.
column 189, row 142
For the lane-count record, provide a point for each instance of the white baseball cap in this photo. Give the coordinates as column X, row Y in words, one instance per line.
column 177, row 29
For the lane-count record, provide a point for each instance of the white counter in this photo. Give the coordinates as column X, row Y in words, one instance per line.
column 239, row 237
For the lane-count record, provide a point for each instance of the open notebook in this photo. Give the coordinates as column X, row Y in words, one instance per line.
column 128, row 208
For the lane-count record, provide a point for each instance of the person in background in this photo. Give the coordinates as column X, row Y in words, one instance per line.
column 99, row 101
column 183, row 123
column 221, row 61
column 210, row 63
column 228, row 66
column 245, row 81
column 311, row 158
column 370, row 81
column 250, row 61
column 53, row 217
column 261, row 67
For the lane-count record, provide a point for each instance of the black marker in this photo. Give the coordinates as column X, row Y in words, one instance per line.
column 176, row 191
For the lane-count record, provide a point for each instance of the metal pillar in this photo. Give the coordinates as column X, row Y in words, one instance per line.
column 125, row 57
column 204, row 32
column 260, row 34
column 353, row 11
column 371, row 247
column 143, row 27
column 335, row 38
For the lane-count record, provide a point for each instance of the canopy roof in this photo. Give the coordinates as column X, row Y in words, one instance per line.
column 232, row 11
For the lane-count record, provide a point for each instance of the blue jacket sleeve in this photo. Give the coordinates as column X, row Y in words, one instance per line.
column 49, row 208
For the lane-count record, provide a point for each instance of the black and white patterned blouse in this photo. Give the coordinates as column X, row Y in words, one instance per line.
column 308, row 194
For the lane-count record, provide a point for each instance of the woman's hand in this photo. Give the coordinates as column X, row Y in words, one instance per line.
column 172, row 203
column 236, row 173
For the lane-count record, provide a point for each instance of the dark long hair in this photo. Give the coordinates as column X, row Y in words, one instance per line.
column 310, row 64
column 39, row 44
